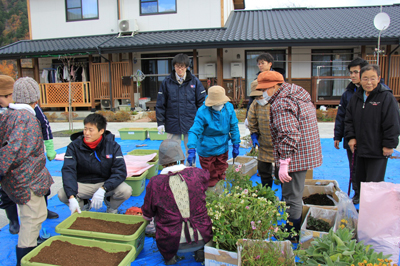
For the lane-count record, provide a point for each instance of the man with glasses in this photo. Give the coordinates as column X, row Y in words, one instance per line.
column 354, row 69
column 179, row 97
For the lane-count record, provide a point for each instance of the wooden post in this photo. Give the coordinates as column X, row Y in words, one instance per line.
column 119, row 57
column 363, row 54
column 35, row 64
column 220, row 67
column 195, row 70
column 290, row 64
column 132, row 91
column 19, row 68
column 91, row 89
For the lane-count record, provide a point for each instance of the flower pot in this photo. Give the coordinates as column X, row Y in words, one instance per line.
column 249, row 164
column 216, row 257
column 306, row 235
column 285, row 248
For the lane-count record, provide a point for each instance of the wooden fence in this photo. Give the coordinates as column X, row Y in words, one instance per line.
column 394, row 74
column 57, row 94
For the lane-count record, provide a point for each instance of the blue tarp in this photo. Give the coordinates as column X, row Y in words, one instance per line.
column 335, row 166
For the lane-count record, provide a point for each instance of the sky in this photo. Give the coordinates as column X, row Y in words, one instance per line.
column 267, row 4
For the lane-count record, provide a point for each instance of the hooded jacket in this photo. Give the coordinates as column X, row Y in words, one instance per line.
column 374, row 123
column 177, row 104
column 294, row 128
column 84, row 165
column 212, row 130
column 341, row 113
column 23, row 163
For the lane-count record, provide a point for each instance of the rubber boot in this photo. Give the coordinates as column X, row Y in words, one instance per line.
column 50, row 214
column 12, row 215
column 295, row 224
column 21, row 252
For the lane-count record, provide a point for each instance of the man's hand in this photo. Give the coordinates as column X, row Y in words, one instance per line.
column 254, row 139
column 337, row 144
column 97, row 199
column 161, row 129
column 192, row 156
column 387, row 152
column 283, row 171
column 50, row 152
column 352, row 145
column 74, row 205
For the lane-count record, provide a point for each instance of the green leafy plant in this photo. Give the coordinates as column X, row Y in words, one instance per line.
column 244, row 211
column 260, row 252
column 253, row 152
column 317, row 224
column 339, row 249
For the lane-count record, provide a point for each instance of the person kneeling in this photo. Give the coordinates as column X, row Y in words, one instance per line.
column 94, row 168
column 182, row 222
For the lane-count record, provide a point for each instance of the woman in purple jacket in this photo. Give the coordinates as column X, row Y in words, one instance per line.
column 176, row 199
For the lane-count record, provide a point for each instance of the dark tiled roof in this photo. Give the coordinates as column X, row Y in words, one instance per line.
column 246, row 28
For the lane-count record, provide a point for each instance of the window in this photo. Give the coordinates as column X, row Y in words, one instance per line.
column 82, row 9
column 331, row 63
column 252, row 68
column 157, row 6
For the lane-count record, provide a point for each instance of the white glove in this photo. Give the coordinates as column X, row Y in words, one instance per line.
column 161, row 129
column 97, row 199
column 74, row 206
column 246, row 123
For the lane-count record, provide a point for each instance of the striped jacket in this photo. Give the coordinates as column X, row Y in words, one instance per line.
column 258, row 118
column 294, row 128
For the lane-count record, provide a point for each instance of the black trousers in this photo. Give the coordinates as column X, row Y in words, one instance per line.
column 371, row 169
column 6, row 202
column 265, row 171
column 354, row 181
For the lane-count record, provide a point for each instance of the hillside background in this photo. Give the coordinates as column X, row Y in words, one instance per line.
column 13, row 27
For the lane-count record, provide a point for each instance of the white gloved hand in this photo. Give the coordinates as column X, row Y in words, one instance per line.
column 97, row 199
column 74, row 206
column 161, row 129
column 246, row 123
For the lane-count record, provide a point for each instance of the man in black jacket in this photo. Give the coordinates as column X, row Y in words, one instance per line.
column 179, row 97
column 94, row 168
column 354, row 69
column 372, row 125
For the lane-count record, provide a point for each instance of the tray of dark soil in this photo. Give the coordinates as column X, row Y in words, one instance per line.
column 119, row 228
column 109, row 227
column 73, row 251
column 317, row 224
column 318, row 199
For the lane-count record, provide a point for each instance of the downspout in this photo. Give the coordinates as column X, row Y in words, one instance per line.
column 390, row 59
column 109, row 71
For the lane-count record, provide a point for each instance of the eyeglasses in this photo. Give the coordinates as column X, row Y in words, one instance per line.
column 369, row 79
column 180, row 66
column 354, row 72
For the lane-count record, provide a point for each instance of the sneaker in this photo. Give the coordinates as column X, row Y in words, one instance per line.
column 86, row 206
column 111, row 210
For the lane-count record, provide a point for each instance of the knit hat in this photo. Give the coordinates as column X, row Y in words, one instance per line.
column 170, row 151
column 216, row 96
column 26, row 90
column 268, row 79
column 6, row 85
column 254, row 92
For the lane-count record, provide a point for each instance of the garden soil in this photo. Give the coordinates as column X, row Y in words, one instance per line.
column 67, row 254
column 102, row 226
column 318, row 199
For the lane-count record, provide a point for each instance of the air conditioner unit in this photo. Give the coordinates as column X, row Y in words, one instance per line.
column 210, row 70
column 106, row 104
column 127, row 27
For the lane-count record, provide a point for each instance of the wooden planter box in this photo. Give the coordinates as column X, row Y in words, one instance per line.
column 307, row 236
column 284, row 246
column 217, row 257
column 249, row 164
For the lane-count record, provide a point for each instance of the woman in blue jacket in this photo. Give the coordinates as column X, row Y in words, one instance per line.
column 214, row 125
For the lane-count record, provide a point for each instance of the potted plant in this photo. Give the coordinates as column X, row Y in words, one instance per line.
column 339, row 249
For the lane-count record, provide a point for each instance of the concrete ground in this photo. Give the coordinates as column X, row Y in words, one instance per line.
column 325, row 130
